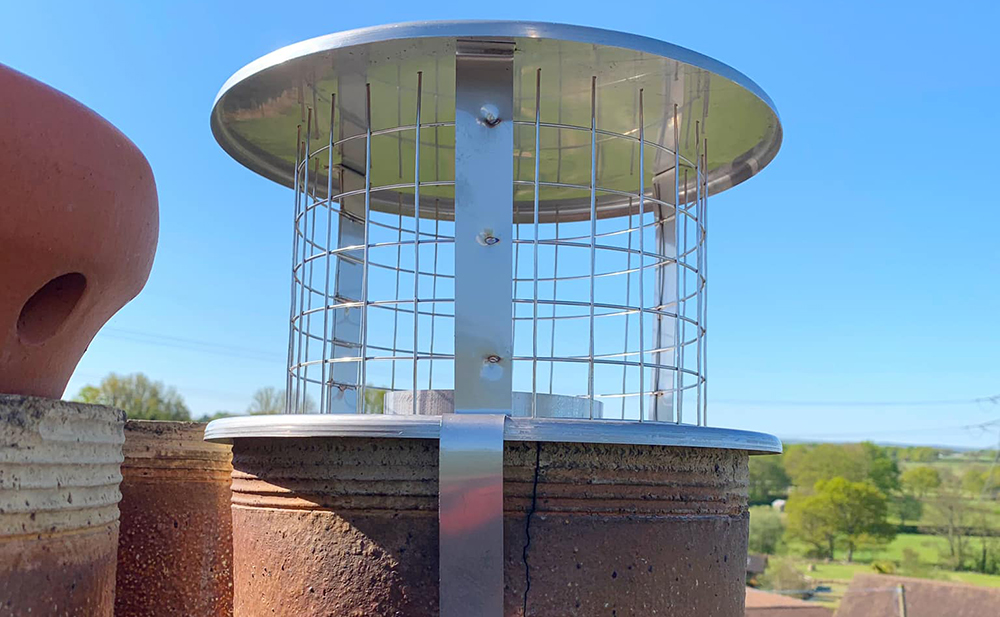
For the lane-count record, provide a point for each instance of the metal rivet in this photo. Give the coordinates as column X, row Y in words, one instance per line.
column 493, row 359
column 486, row 238
column 489, row 114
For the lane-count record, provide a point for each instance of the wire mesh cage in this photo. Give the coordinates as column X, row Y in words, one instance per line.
column 609, row 285
column 615, row 151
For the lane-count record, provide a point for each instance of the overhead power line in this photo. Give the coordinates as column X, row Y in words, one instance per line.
column 164, row 340
column 995, row 399
column 981, row 426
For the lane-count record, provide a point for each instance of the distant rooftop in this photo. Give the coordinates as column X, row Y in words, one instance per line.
column 875, row 595
column 765, row 604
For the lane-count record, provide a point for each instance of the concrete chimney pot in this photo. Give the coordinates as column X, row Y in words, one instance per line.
column 59, row 493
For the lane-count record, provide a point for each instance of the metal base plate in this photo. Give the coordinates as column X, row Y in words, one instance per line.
column 516, row 429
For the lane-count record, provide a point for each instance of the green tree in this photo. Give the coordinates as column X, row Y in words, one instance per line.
column 951, row 516
column 137, row 395
column 907, row 507
column 267, row 401
column 375, row 400
column 809, row 520
column 880, row 468
column 911, row 564
column 921, row 480
column 808, row 464
column 215, row 416
column 852, row 513
column 270, row 400
column 974, row 481
column 922, row 454
column 768, row 479
column 784, row 576
column 766, row 530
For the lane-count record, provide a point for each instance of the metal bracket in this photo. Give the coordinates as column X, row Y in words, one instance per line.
column 471, row 515
column 484, row 207
column 471, row 458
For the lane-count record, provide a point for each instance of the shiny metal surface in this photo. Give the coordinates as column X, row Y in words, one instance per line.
column 441, row 402
column 516, row 429
column 259, row 107
column 484, row 187
column 578, row 264
column 471, row 515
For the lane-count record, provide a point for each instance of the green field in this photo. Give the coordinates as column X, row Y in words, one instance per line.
column 929, row 548
column 837, row 575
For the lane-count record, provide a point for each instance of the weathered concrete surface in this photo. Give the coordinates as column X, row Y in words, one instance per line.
column 175, row 551
column 349, row 527
column 59, row 477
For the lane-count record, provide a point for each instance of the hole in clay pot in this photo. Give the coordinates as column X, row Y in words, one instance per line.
column 49, row 307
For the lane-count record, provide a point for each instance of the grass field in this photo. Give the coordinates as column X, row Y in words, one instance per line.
column 837, row 575
column 929, row 548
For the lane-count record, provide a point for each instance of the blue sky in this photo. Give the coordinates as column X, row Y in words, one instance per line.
column 862, row 266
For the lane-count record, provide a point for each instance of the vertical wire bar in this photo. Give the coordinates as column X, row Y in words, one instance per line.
column 699, row 307
column 555, row 289
column 516, row 227
column 678, row 329
column 555, row 261
column 642, row 259
column 364, row 266
column 329, row 255
column 687, row 194
column 303, row 334
column 416, row 241
column 395, row 297
column 434, row 285
column 628, row 302
column 698, row 178
column 295, row 253
column 593, row 231
column 704, row 342
column 437, row 220
column 312, row 276
column 682, row 269
column 534, row 295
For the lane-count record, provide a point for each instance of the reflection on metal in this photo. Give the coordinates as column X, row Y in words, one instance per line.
column 471, row 515
column 484, row 193
column 517, row 429
column 257, row 110
column 439, row 402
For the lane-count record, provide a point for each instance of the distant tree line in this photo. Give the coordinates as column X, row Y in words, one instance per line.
column 841, row 498
column 144, row 399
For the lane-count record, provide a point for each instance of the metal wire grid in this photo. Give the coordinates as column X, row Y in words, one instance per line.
column 372, row 295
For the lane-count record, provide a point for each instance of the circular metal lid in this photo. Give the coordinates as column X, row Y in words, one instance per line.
column 257, row 112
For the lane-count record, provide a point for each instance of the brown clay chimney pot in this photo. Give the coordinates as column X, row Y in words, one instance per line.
column 78, row 230
column 176, row 547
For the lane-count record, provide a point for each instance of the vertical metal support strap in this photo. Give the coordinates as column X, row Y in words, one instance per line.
column 484, row 211
column 471, row 515
column 471, row 456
